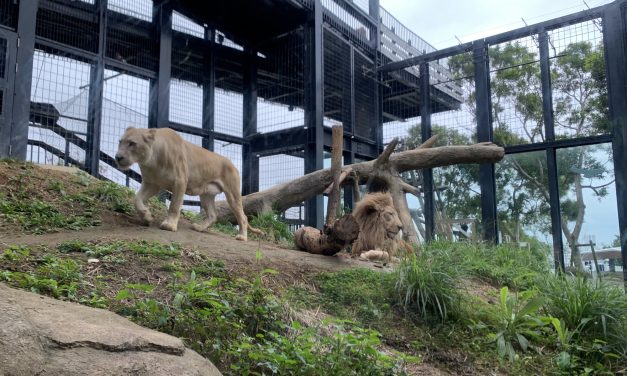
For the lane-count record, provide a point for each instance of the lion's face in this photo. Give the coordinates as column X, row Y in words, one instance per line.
column 134, row 146
column 391, row 222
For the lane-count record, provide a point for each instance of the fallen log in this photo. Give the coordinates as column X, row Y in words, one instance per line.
column 286, row 195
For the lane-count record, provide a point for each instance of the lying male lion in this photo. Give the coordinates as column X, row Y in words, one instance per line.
column 169, row 162
column 379, row 227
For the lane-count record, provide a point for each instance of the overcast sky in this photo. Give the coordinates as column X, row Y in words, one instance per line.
column 439, row 21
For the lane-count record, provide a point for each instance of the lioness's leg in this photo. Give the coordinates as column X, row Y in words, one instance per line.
column 235, row 202
column 145, row 192
column 207, row 202
column 174, row 211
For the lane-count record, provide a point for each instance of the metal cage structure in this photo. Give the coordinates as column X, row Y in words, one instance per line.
column 263, row 82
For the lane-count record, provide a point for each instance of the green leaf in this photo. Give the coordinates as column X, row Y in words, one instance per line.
column 123, row 294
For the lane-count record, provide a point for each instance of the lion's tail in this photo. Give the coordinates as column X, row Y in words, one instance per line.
column 255, row 230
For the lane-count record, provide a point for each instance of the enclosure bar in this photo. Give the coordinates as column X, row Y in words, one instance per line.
column 549, row 129
column 427, row 173
column 547, row 93
column 159, row 113
column 484, row 134
column 497, row 39
column 250, row 162
column 23, row 78
column 556, row 217
column 314, row 107
column 96, row 92
column 349, row 151
column 614, row 38
column 208, row 91
column 558, row 144
column 374, row 9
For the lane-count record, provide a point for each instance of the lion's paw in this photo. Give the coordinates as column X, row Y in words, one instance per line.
column 241, row 237
column 165, row 225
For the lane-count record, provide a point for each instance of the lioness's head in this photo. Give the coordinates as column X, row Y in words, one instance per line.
column 135, row 146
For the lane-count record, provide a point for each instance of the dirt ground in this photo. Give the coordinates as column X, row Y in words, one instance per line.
column 240, row 258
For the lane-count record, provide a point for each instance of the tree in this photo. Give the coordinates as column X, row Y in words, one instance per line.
column 580, row 109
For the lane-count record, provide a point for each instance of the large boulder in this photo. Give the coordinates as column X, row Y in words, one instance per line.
column 44, row 336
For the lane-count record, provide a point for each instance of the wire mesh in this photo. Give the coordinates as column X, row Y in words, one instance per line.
column 401, row 107
column 349, row 22
column 337, row 80
column 125, row 103
column 187, row 26
column 8, row 13
column 278, row 169
column 59, row 98
column 186, row 103
column 365, row 85
column 580, row 102
column 516, row 92
column 522, row 208
column 131, row 40
column 140, row 9
column 70, row 23
column 229, row 112
column 587, row 199
column 281, row 84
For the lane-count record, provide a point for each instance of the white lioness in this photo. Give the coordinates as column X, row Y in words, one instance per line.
column 169, row 162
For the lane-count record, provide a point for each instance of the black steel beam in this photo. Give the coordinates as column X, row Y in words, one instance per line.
column 23, row 77
column 159, row 113
column 427, row 173
column 549, row 128
column 484, row 134
column 556, row 217
column 496, row 39
column 209, row 91
column 250, row 161
column 614, row 38
column 558, row 144
column 205, row 133
column 314, row 107
column 96, row 89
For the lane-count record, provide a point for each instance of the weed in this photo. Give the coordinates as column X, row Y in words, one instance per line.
column 591, row 314
column 115, row 196
column 39, row 217
column 427, row 284
column 274, row 229
column 518, row 322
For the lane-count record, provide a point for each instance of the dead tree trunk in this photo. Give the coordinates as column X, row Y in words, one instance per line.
column 284, row 196
column 337, row 233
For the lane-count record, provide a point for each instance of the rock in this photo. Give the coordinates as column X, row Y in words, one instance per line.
column 43, row 336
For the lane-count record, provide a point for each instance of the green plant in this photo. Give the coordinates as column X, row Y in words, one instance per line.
column 593, row 315
column 39, row 217
column 502, row 265
column 427, row 284
column 274, row 229
column 15, row 253
column 59, row 278
column 335, row 348
column 117, row 197
column 518, row 322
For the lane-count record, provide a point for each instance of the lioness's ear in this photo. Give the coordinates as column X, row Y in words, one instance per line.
column 130, row 128
column 149, row 136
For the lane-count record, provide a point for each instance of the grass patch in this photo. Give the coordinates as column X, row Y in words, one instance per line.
column 428, row 284
column 41, row 201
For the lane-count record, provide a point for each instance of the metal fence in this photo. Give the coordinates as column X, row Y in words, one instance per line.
column 266, row 95
column 553, row 95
